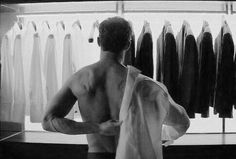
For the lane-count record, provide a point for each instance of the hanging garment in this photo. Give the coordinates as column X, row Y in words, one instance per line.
column 50, row 71
column 129, row 56
column 67, row 65
column 78, row 53
column 188, row 68
column 206, row 78
column 224, row 52
column 146, row 105
column 167, row 60
column 19, row 101
column 234, row 77
column 144, row 54
column 6, row 80
column 36, row 86
column 27, row 57
column 60, row 33
column 44, row 33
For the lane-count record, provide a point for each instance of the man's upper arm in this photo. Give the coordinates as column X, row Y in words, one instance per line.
column 62, row 102
column 176, row 117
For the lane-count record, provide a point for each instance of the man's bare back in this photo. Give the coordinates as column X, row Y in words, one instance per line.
column 99, row 89
column 103, row 84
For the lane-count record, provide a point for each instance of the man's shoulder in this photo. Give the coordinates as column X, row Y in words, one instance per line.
column 85, row 72
column 84, row 77
column 148, row 87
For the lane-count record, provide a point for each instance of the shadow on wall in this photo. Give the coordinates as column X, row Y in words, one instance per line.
column 7, row 20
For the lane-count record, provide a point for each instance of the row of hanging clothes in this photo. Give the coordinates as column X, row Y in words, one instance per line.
column 196, row 74
column 35, row 63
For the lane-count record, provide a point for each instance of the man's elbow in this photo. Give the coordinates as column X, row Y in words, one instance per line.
column 184, row 126
column 46, row 123
column 185, row 121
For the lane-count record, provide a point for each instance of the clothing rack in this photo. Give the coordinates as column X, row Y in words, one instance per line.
column 178, row 7
column 121, row 7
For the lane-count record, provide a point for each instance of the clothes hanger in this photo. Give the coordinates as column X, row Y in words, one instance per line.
column 94, row 26
column 225, row 26
column 205, row 27
column 146, row 23
column 167, row 23
column 19, row 23
column 146, row 27
column 62, row 24
column 223, row 20
column 168, row 27
column 185, row 23
column 187, row 28
column 77, row 23
column 46, row 22
column 33, row 24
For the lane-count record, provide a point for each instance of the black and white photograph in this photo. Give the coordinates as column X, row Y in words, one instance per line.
column 117, row 79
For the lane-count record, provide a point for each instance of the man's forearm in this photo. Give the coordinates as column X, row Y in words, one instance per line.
column 71, row 127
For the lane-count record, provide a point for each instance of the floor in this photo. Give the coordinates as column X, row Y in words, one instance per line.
column 59, row 146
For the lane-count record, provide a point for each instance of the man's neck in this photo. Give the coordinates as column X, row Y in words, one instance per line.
column 111, row 56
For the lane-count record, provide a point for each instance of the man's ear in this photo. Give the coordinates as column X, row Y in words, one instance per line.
column 128, row 45
column 98, row 41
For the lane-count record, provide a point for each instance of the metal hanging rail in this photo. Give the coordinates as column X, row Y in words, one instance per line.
column 67, row 8
column 122, row 7
column 176, row 6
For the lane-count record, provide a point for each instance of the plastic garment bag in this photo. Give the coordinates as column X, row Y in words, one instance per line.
column 144, row 52
column 224, row 52
column 67, row 65
column 19, row 101
column 36, row 87
column 6, row 80
column 188, row 69
column 50, row 72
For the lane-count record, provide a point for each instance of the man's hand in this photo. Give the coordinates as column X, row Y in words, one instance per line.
column 110, row 128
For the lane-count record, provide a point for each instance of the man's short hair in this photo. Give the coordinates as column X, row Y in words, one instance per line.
column 115, row 34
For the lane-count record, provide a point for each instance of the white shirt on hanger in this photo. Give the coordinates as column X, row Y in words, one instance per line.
column 19, row 101
column 6, row 78
column 50, row 72
column 36, row 85
column 27, row 57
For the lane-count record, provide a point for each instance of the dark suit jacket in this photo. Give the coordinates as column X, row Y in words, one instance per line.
column 167, row 62
column 206, row 74
column 188, row 70
column 235, row 77
column 224, row 88
column 144, row 54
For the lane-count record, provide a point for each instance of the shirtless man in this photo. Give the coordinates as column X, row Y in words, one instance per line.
column 99, row 89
